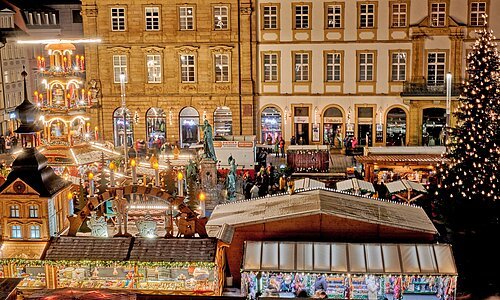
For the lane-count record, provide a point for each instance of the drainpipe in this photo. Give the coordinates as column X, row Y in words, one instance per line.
column 2, row 45
column 239, row 66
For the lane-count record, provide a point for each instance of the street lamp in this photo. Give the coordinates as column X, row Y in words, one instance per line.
column 448, row 104
column 124, row 109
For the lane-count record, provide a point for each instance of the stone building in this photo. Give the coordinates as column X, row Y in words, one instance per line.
column 181, row 63
column 376, row 70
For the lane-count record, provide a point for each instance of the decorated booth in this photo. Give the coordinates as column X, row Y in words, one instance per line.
column 308, row 159
column 349, row 271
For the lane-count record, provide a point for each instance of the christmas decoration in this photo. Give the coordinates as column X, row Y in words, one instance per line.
column 469, row 188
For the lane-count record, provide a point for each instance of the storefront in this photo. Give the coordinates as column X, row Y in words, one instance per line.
column 395, row 131
column 301, row 125
column 433, row 126
column 349, row 271
column 365, row 126
column 223, row 121
column 333, row 127
column 189, row 121
column 156, row 124
column 271, row 125
column 123, row 127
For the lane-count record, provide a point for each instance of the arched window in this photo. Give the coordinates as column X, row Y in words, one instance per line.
column 58, row 131
column 35, row 232
column 223, row 121
column 433, row 126
column 14, row 211
column 119, row 126
column 156, row 124
column 332, row 126
column 395, row 131
column 189, row 119
column 33, row 211
column 16, row 232
column 270, row 122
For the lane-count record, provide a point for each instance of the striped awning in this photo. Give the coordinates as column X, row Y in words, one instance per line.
column 416, row 259
column 430, row 159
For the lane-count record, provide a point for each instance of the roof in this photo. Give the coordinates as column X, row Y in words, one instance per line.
column 405, row 185
column 429, row 159
column 7, row 286
column 354, row 184
column 321, row 201
column 371, row 258
column 173, row 250
column 308, row 183
column 131, row 249
column 87, row 248
column 31, row 167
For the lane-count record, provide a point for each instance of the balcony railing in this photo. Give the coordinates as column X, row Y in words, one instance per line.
column 423, row 89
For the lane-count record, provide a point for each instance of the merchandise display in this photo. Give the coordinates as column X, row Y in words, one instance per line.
column 345, row 286
column 159, row 278
column 33, row 277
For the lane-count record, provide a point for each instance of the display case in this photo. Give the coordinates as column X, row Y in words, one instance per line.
column 33, row 277
column 359, row 289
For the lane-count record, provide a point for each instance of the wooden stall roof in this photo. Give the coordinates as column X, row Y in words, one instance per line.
column 428, row 159
column 173, row 250
column 321, row 201
column 87, row 248
column 8, row 286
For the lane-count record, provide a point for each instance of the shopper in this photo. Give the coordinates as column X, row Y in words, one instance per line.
column 282, row 147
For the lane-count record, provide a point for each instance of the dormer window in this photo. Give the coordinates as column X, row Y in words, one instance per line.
column 30, row 18
column 38, row 19
column 6, row 22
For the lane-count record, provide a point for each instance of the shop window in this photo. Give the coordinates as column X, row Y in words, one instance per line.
column 433, row 126
column 332, row 127
column 156, row 124
column 223, row 121
column 123, row 127
column 189, row 119
column 301, row 125
column 395, row 127
column 33, row 277
column 270, row 121
column 365, row 126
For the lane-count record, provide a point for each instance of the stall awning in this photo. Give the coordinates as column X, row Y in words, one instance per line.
column 418, row 159
column 349, row 258
column 405, row 185
column 308, row 183
column 354, row 184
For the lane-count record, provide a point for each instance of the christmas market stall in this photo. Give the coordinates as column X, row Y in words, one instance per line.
column 145, row 265
column 354, row 240
column 308, row 158
column 349, row 270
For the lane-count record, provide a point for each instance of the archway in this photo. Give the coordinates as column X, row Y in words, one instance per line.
column 433, row 126
column 189, row 119
column 122, row 128
column 223, row 121
column 332, row 126
column 156, row 124
column 271, row 126
column 395, row 132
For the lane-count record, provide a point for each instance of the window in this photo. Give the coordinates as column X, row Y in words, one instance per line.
column 221, row 67
column 6, row 78
column 398, row 66
column 77, row 17
column 16, row 232
column 118, row 19
column 438, row 14
column 35, row 231
column 14, row 211
column 436, row 63
column 477, row 11
column 367, row 16
column 119, row 67
column 334, row 16
column 186, row 18
column 38, row 19
column 270, row 67
column 333, row 67
column 47, row 20
column 30, row 19
column 153, row 63
column 302, row 17
column 270, row 17
column 54, row 18
column 188, row 68
column 33, row 211
column 366, row 67
column 152, row 18
column 221, row 17
column 301, row 67
column 399, row 11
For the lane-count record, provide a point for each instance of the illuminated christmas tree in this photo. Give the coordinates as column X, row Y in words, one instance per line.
column 470, row 190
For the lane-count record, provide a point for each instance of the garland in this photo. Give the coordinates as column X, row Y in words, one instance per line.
column 105, row 263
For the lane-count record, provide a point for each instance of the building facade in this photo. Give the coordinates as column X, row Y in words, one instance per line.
column 376, row 70
column 178, row 64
